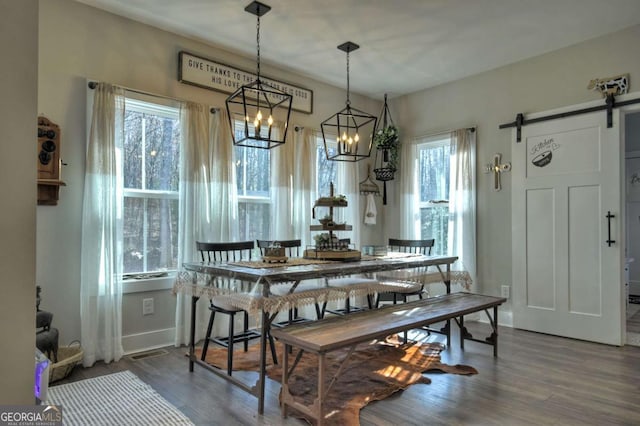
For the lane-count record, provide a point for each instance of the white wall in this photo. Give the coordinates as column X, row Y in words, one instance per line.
column 18, row 121
column 79, row 42
column 492, row 98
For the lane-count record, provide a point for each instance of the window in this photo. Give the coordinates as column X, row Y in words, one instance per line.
column 253, row 173
column 433, row 172
column 151, row 174
column 326, row 171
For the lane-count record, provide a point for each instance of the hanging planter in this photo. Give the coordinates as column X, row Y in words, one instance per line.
column 386, row 140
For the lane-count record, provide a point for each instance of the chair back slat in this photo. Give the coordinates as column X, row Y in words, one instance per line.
column 292, row 247
column 412, row 246
column 225, row 252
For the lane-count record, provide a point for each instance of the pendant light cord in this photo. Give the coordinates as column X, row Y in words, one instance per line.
column 258, row 44
column 348, row 101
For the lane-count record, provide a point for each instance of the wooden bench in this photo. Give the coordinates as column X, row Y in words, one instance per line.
column 322, row 337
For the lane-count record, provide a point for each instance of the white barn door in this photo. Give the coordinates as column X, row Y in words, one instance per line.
column 567, row 277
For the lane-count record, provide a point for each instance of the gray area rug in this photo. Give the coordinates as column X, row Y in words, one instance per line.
column 115, row 399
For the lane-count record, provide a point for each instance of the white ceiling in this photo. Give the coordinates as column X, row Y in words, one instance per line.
column 405, row 45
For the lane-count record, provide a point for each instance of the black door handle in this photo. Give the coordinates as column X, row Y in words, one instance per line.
column 609, row 216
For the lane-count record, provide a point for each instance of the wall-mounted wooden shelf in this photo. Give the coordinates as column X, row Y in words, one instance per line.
column 336, row 227
column 49, row 191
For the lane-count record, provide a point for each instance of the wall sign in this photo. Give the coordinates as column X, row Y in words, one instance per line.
column 212, row 75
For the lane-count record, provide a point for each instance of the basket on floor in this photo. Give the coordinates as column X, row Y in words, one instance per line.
column 68, row 358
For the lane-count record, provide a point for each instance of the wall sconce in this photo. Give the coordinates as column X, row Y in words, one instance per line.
column 497, row 168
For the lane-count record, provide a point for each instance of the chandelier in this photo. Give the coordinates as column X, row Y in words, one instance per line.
column 350, row 128
column 253, row 104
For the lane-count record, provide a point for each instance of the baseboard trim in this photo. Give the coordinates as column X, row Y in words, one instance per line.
column 505, row 318
column 139, row 342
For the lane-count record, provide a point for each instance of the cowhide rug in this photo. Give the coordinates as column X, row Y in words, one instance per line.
column 374, row 372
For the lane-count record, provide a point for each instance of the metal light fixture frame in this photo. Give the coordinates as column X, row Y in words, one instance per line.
column 250, row 100
column 349, row 122
column 385, row 160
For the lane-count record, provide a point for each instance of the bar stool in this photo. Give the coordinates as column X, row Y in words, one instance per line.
column 229, row 252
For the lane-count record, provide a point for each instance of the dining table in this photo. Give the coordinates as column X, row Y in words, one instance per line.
column 249, row 285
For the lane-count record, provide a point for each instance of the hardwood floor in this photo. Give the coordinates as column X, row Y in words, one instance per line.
column 537, row 379
column 633, row 320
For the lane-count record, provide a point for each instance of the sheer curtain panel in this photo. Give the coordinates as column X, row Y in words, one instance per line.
column 462, row 201
column 304, row 175
column 101, row 254
column 282, row 169
column 348, row 179
column 409, row 203
column 196, row 203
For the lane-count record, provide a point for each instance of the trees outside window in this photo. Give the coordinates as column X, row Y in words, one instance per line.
column 253, row 180
column 150, row 161
column 326, row 171
column 433, row 175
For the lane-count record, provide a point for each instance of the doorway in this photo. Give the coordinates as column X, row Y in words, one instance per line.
column 632, row 226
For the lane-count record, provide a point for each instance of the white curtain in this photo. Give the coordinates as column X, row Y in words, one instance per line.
column 224, row 191
column 462, row 201
column 196, row 203
column 409, row 202
column 102, row 230
column 348, row 179
column 304, row 175
column 282, row 170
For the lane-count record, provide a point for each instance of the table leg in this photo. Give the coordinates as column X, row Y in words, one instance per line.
column 285, row 381
column 495, row 331
column 321, row 372
column 447, row 283
column 263, row 361
column 192, row 332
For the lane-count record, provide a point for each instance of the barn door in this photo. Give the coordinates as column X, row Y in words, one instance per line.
column 566, row 217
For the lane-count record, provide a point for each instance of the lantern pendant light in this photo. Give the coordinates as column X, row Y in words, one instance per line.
column 350, row 129
column 253, row 104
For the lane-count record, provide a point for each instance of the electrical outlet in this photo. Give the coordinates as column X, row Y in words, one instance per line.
column 505, row 291
column 147, row 306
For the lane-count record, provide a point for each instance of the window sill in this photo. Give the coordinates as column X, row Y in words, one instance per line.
column 148, row 284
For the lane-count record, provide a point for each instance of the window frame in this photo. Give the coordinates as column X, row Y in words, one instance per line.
column 431, row 142
column 242, row 196
column 146, row 104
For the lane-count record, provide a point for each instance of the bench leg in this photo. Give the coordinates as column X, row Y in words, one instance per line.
column 491, row 340
column 494, row 335
column 462, row 331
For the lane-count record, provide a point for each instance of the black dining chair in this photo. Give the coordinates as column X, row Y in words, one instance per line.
column 292, row 250
column 404, row 287
column 415, row 289
column 229, row 252
column 351, row 285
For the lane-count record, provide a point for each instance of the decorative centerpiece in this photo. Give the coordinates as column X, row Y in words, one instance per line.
column 327, row 245
column 327, row 221
column 274, row 253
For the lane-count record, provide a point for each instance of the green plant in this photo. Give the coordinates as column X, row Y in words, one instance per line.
column 340, row 198
column 387, row 139
column 322, row 239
